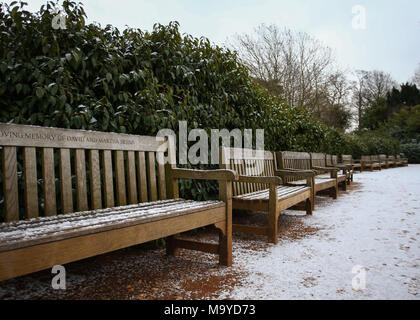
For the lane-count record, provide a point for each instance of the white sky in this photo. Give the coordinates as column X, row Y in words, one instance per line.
column 390, row 42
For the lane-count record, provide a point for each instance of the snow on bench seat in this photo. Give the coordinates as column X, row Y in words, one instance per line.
column 283, row 192
column 25, row 233
column 328, row 176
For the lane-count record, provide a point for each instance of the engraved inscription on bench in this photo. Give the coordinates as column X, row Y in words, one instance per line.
column 31, row 136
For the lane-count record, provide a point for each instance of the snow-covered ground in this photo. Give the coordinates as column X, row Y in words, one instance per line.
column 373, row 230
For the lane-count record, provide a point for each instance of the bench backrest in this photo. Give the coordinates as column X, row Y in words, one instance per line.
column 318, row 160
column 293, row 160
column 247, row 162
column 366, row 158
column 49, row 171
column 392, row 158
column 382, row 157
column 375, row 158
column 347, row 159
column 334, row 160
column 329, row 160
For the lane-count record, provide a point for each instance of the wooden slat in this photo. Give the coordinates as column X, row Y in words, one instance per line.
column 250, row 229
column 152, row 176
column 10, row 184
column 212, row 248
column 81, row 184
column 142, row 177
column 95, row 180
column 261, row 171
column 235, row 184
column 241, row 186
column 65, row 181
column 161, row 174
column 31, row 185
column 131, row 177
column 42, row 137
column 48, row 175
column 250, row 171
column 120, row 178
column 108, row 179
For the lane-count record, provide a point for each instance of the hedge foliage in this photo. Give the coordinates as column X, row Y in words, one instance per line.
column 412, row 152
column 99, row 78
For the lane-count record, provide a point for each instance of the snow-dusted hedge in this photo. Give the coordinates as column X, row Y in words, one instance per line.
column 412, row 152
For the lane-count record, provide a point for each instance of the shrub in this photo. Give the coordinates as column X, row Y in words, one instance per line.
column 412, row 152
column 98, row 78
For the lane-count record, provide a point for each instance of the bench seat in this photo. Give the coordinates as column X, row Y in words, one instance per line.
column 283, row 193
column 26, row 233
column 340, row 177
column 320, row 183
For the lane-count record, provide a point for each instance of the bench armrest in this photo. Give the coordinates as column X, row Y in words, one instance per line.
column 267, row 180
column 328, row 169
column 221, row 175
column 344, row 167
column 295, row 173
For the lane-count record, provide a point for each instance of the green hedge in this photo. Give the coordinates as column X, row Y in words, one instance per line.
column 412, row 152
column 98, row 78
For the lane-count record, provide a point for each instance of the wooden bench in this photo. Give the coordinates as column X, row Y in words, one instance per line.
column 288, row 160
column 394, row 161
column 367, row 163
column 261, row 187
column 319, row 164
column 384, row 161
column 50, row 219
column 377, row 159
column 347, row 169
column 348, row 160
column 391, row 161
column 403, row 161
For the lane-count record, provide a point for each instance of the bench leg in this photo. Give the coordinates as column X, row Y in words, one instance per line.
column 308, row 207
column 334, row 192
column 313, row 193
column 272, row 215
column 225, row 248
column 272, row 227
column 171, row 248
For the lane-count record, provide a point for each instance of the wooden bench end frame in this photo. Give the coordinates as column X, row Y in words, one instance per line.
column 117, row 170
column 261, row 188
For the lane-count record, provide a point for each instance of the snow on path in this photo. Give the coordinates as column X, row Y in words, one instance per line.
column 376, row 225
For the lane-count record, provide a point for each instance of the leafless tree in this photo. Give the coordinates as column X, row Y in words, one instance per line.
column 358, row 94
column 293, row 64
column 368, row 87
column 378, row 84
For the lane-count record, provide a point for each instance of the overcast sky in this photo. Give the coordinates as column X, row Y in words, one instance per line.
column 389, row 42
